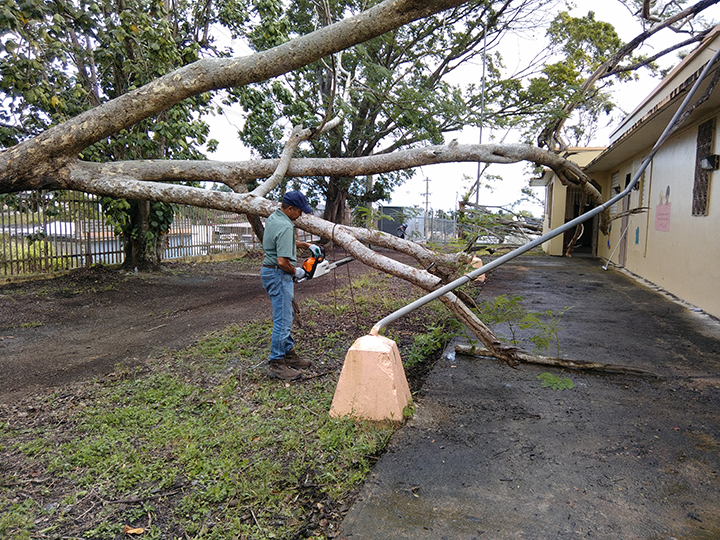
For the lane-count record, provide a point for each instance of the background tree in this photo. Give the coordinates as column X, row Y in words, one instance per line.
column 394, row 91
column 593, row 56
column 63, row 58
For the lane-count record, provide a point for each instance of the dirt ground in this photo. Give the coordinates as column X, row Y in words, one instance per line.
column 492, row 454
column 84, row 324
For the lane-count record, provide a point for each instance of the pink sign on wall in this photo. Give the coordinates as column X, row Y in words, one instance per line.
column 662, row 212
column 662, row 217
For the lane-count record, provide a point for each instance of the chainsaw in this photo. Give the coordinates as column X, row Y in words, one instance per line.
column 318, row 265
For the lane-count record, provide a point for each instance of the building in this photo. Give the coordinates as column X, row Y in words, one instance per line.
column 665, row 229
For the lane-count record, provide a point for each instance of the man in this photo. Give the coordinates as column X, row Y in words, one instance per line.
column 278, row 274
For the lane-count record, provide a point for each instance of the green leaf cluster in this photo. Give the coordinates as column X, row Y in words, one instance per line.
column 59, row 59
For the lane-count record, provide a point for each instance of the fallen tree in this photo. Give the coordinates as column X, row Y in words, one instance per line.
column 49, row 161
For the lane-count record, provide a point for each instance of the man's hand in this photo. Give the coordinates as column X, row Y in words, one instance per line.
column 316, row 250
column 299, row 274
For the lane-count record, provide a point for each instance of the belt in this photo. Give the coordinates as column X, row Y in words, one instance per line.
column 273, row 266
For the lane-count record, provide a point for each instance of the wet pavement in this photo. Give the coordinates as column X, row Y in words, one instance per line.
column 492, row 454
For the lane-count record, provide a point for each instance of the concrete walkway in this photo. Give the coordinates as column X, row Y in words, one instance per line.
column 491, row 454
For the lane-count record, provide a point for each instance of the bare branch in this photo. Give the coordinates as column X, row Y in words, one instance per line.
column 298, row 135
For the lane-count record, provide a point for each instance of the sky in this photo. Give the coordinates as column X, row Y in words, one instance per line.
column 439, row 187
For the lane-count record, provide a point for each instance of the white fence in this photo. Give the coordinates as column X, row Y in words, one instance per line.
column 46, row 231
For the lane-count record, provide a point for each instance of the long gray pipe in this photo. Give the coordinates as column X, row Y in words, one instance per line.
column 555, row 232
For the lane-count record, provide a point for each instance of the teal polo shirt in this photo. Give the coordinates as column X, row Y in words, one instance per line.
column 279, row 239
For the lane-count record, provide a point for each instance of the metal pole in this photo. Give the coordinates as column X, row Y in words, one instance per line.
column 482, row 111
column 555, row 232
column 616, row 247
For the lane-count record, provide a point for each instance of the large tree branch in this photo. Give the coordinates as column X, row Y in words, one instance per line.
column 233, row 173
column 71, row 137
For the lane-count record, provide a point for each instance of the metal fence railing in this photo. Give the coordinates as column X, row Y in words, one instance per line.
column 431, row 230
column 43, row 232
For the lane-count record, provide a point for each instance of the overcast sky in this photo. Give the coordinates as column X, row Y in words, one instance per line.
column 446, row 184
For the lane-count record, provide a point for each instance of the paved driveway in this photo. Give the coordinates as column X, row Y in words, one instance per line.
column 491, row 454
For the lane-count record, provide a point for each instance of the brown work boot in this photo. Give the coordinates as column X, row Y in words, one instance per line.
column 293, row 360
column 278, row 369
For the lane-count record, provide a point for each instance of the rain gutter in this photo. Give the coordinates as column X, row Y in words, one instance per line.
column 672, row 125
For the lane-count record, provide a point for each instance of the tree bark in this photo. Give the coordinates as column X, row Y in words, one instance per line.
column 336, row 200
column 564, row 363
column 138, row 253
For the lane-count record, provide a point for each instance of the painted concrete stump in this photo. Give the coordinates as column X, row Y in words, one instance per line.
column 372, row 384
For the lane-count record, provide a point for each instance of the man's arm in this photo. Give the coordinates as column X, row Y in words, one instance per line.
column 285, row 265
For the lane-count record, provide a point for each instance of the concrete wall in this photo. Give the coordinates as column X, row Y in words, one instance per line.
column 685, row 258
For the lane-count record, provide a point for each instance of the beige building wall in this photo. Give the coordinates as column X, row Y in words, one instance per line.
column 554, row 215
column 685, row 258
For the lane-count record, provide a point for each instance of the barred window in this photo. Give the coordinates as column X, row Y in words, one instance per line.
column 706, row 131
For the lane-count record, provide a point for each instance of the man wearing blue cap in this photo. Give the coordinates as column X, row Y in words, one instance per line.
column 278, row 275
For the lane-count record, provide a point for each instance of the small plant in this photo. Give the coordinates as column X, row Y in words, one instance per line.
column 31, row 324
column 432, row 341
column 547, row 332
column 508, row 310
column 555, row 382
column 409, row 410
column 505, row 310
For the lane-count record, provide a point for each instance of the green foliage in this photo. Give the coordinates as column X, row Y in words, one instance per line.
column 508, row 312
column 62, row 59
column 555, row 382
column 434, row 340
column 17, row 521
column 395, row 88
column 578, row 47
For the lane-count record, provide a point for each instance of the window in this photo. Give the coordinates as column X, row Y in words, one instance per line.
column 706, row 130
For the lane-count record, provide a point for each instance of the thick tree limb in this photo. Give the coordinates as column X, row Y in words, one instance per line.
column 49, row 151
column 235, row 174
column 556, row 362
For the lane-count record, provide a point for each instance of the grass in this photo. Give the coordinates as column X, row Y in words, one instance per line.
column 200, row 443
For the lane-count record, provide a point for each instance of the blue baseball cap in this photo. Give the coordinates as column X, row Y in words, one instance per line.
column 298, row 200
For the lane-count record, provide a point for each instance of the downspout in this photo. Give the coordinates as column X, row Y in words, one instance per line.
column 560, row 230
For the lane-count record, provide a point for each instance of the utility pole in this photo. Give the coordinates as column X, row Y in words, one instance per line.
column 427, row 208
column 482, row 112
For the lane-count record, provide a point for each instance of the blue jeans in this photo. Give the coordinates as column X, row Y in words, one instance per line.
column 280, row 287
